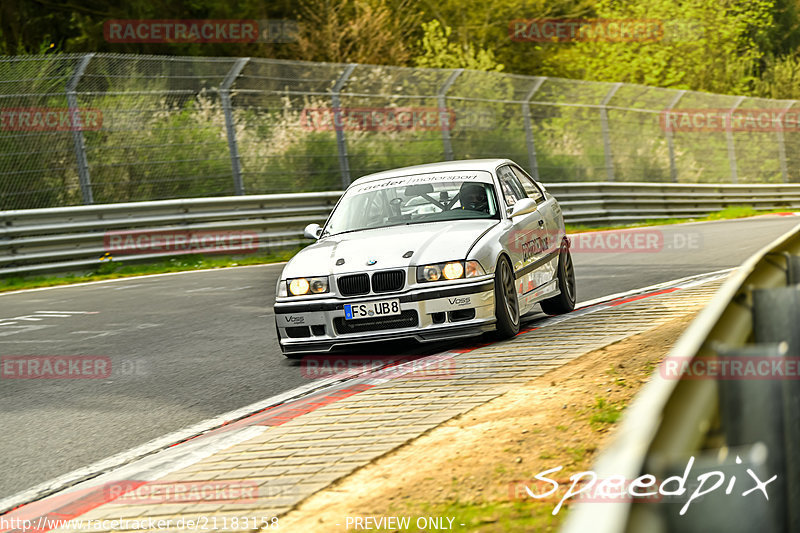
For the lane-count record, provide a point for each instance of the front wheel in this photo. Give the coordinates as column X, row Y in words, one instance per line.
column 564, row 302
column 506, row 304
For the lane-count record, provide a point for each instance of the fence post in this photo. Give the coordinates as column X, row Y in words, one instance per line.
column 673, row 167
column 729, row 139
column 341, row 142
column 230, row 129
column 782, row 146
column 78, row 140
column 606, row 133
column 446, row 126
column 526, row 114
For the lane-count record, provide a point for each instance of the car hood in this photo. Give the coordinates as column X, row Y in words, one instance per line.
column 430, row 243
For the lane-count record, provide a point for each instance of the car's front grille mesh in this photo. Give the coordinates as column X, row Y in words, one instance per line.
column 389, row 281
column 406, row 319
column 359, row 284
column 353, row 285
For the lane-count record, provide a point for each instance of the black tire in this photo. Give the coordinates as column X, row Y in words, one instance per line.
column 506, row 304
column 564, row 302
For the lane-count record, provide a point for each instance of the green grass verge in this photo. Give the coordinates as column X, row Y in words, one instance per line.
column 739, row 211
column 115, row 269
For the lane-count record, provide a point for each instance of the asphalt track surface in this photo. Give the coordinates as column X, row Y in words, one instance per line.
column 188, row 347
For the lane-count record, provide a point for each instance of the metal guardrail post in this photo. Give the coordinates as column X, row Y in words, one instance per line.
column 606, row 133
column 752, row 411
column 526, row 114
column 776, row 313
column 341, row 142
column 78, row 140
column 442, row 100
column 673, row 167
column 729, row 139
column 230, row 129
column 782, row 147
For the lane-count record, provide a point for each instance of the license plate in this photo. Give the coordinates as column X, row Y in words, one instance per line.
column 372, row 309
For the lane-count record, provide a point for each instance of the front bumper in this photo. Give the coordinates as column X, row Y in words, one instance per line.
column 427, row 314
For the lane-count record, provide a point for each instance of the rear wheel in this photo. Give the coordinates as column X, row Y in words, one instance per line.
column 564, row 302
column 506, row 304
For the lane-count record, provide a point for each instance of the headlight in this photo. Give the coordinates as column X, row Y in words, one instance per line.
column 430, row 273
column 301, row 286
column 449, row 270
column 453, row 270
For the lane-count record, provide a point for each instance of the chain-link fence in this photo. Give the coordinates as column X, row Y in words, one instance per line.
column 102, row 128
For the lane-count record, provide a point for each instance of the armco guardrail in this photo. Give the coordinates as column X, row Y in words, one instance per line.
column 72, row 238
column 728, row 395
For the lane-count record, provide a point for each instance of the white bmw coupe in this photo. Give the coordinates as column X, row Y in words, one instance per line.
column 428, row 252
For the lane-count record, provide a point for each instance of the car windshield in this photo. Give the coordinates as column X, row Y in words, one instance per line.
column 413, row 200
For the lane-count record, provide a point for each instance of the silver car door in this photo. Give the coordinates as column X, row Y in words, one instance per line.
column 524, row 238
column 553, row 231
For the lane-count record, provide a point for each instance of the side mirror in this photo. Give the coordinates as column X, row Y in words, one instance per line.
column 523, row 207
column 312, row 231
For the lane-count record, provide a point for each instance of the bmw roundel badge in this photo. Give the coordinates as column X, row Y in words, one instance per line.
column 371, row 262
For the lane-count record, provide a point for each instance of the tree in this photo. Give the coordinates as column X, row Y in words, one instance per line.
column 356, row 31
column 438, row 51
column 707, row 45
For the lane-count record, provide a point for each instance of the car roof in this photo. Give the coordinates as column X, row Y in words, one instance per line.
column 488, row 165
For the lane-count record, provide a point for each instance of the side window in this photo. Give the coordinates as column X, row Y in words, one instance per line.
column 512, row 188
column 531, row 188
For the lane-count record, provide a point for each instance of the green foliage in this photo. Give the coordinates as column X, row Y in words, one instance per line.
column 707, row 45
column 604, row 413
column 439, row 52
column 780, row 79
